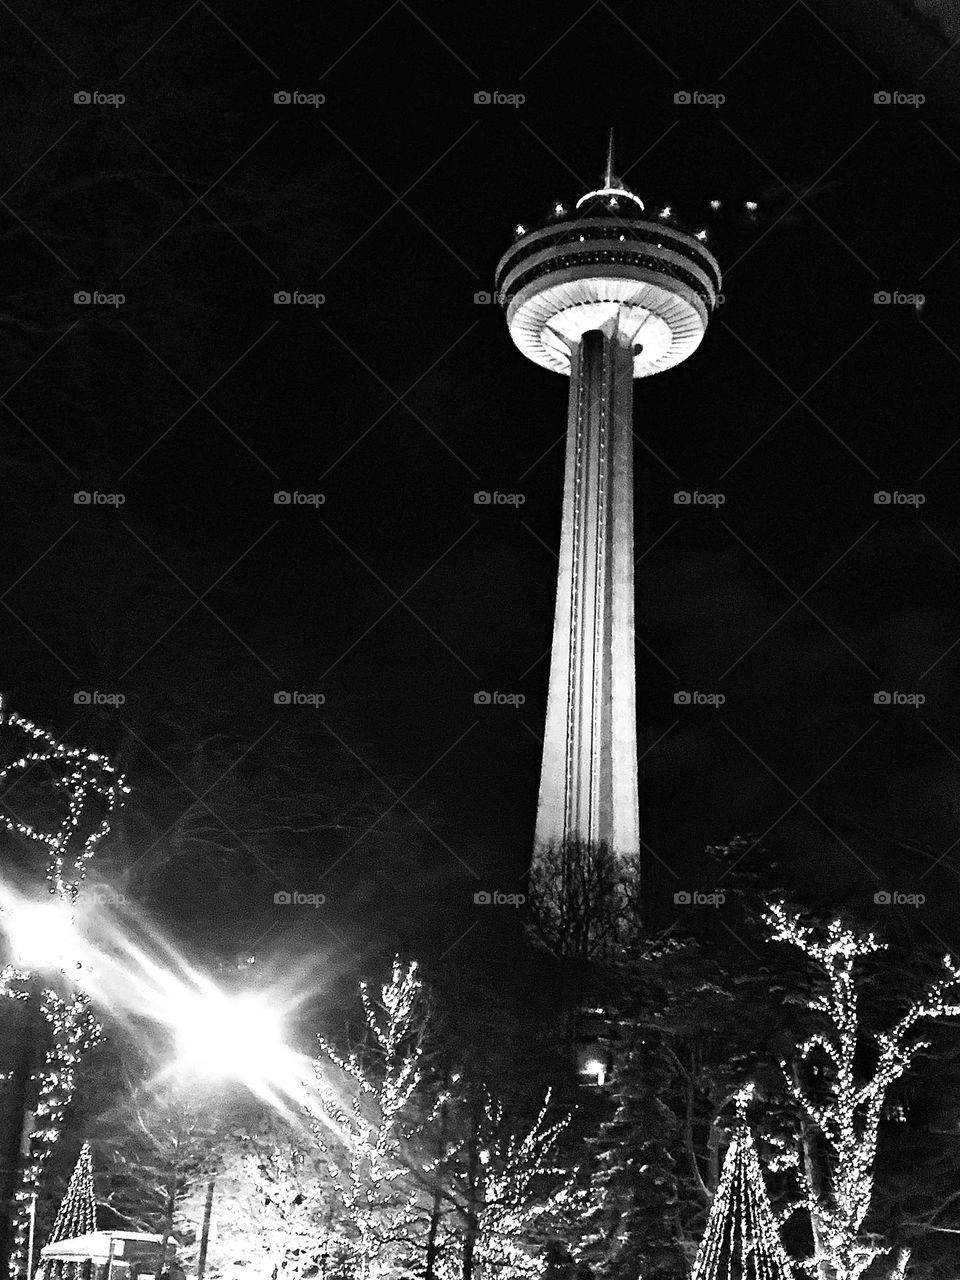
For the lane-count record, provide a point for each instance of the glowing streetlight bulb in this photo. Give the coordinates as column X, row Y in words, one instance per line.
column 40, row 935
column 597, row 1069
column 222, row 1037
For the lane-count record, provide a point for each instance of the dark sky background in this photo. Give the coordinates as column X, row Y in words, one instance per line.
column 400, row 396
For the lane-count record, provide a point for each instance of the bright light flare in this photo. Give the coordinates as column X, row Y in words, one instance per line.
column 40, row 935
column 228, row 1037
column 212, row 1032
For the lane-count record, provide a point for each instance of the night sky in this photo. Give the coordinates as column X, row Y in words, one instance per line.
column 400, row 396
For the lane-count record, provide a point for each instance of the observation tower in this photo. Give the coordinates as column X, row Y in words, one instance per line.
column 603, row 293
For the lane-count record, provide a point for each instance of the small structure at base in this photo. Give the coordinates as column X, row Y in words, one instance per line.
column 104, row 1255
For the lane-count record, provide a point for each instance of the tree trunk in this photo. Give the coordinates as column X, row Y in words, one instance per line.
column 472, row 1217
column 436, row 1206
column 814, row 1186
column 17, row 1102
column 713, row 1155
column 430, row 1269
column 166, row 1234
column 205, row 1230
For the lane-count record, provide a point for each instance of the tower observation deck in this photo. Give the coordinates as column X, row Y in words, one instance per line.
column 602, row 293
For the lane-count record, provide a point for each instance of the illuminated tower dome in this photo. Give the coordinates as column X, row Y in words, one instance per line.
column 602, row 293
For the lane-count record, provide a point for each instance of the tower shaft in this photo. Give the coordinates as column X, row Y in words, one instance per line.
column 588, row 782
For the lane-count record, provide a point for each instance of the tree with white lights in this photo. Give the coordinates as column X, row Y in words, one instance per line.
column 364, row 1100
column 432, row 1174
column 742, row 1239
column 78, row 1210
column 840, row 1105
column 74, row 779
column 506, row 1191
column 275, row 1213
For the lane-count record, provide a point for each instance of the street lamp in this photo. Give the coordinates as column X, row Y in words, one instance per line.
column 40, row 935
column 595, row 1070
column 229, row 1037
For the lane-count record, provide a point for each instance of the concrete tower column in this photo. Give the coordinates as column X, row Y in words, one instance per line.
column 588, row 785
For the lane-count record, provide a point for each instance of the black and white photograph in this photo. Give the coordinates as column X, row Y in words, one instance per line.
column 480, row 640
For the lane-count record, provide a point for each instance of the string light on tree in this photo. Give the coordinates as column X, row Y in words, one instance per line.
column 741, row 1240
column 74, row 1031
column 78, row 777
column 845, row 1109
column 368, row 1121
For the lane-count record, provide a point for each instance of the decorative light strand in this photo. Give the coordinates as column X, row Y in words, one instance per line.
column 77, row 1215
column 741, row 1241
column 80, row 776
column 74, row 1031
column 847, row 1110
column 84, row 774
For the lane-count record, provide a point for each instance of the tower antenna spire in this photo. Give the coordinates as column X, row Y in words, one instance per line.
column 608, row 178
